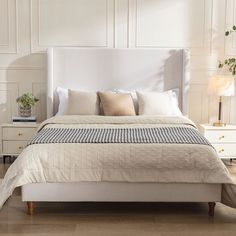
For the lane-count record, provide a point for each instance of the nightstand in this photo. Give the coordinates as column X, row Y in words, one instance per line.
column 15, row 137
column 223, row 139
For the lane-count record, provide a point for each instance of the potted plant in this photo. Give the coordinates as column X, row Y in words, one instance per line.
column 25, row 102
column 230, row 63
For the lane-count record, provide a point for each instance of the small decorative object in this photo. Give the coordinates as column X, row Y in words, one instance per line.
column 25, row 102
column 221, row 86
column 229, row 62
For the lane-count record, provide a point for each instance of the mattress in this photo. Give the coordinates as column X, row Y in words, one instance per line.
column 155, row 162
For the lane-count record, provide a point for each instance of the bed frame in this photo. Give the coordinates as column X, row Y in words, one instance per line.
column 104, row 69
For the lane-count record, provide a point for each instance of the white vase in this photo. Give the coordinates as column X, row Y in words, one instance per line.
column 25, row 111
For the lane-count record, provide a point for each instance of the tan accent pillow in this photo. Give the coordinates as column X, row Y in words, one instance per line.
column 117, row 104
column 82, row 103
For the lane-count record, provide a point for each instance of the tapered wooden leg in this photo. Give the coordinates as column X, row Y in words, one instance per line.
column 30, row 206
column 211, row 208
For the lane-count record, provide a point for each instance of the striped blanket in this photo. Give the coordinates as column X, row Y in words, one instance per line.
column 181, row 135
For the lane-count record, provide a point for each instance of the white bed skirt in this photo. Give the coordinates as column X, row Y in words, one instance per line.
column 121, row 192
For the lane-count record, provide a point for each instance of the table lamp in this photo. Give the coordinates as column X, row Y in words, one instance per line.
column 221, row 85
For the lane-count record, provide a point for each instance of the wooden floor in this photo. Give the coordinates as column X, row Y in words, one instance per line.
column 101, row 219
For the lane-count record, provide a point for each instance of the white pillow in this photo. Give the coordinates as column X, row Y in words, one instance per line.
column 63, row 100
column 155, row 103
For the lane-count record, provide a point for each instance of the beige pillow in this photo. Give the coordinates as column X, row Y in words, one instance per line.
column 117, row 104
column 82, row 103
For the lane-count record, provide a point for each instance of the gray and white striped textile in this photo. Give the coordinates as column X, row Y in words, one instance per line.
column 178, row 135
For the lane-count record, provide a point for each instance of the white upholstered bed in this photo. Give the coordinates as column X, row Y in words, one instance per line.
column 104, row 69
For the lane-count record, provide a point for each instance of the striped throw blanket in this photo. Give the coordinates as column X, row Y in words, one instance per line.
column 178, row 135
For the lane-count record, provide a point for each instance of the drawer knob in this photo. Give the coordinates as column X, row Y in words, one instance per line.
column 20, row 147
column 221, row 137
column 20, row 134
column 221, row 150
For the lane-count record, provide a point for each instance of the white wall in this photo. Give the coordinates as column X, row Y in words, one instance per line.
column 28, row 27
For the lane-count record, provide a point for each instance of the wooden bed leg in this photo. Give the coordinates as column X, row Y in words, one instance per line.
column 211, row 208
column 30, row 206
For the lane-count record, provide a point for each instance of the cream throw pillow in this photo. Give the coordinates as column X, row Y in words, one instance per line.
column 155, row 103
column 82, row 103
column 117, row 104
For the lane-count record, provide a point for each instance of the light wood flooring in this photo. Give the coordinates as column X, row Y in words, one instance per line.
column 113, row 219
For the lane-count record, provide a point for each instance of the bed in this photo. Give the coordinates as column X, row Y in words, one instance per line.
column 105, row 69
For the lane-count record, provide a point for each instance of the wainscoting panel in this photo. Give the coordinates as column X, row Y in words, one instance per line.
column 9, row 91
column 15, row 82
column 8, row 26
column 198, row 111
column 121, row 23
column 230, row 20
column 167, row 23
column 81, row 23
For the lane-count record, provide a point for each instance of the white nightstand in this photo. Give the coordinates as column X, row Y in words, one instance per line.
column 15, row 137
column 222, row 138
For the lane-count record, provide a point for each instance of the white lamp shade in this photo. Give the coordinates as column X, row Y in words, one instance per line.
column 221, row 86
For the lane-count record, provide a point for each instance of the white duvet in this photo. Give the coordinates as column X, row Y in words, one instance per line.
column 129, row 162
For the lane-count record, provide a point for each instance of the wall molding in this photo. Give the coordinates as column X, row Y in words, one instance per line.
column 22, row 68
column 12, row 27
column 207, row 34
column 12, row 90
column 7, row 24
column 121, row 23
column 35, row 33
column 230, row 20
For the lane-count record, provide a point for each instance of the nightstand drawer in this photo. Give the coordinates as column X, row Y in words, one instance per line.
column 221, row 136
column 225, row 150
column 13, row 147
column 18, row 133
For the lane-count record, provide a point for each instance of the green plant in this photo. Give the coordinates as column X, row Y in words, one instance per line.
column 27, row 100
column 229, row 62
column 228, row 32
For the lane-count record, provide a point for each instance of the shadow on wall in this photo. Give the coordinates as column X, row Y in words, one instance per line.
column 168, row 76
column 23, row 76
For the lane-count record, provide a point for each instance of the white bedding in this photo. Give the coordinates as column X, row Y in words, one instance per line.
column 127, row 162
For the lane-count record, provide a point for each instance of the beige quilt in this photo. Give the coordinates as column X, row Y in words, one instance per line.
column 125, row 162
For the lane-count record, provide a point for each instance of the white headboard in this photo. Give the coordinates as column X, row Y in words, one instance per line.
column 104, row 69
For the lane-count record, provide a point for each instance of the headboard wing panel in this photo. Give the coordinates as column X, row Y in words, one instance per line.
column 104, row 69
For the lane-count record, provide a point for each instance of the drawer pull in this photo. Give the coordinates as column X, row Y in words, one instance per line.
column 221, row 137
column 221, row 150
column 20, row 147
column 20, row 134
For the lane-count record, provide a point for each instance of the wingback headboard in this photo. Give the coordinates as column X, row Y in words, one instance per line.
column 104, row 69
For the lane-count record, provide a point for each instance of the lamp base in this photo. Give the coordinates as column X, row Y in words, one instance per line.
column 219, row 124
